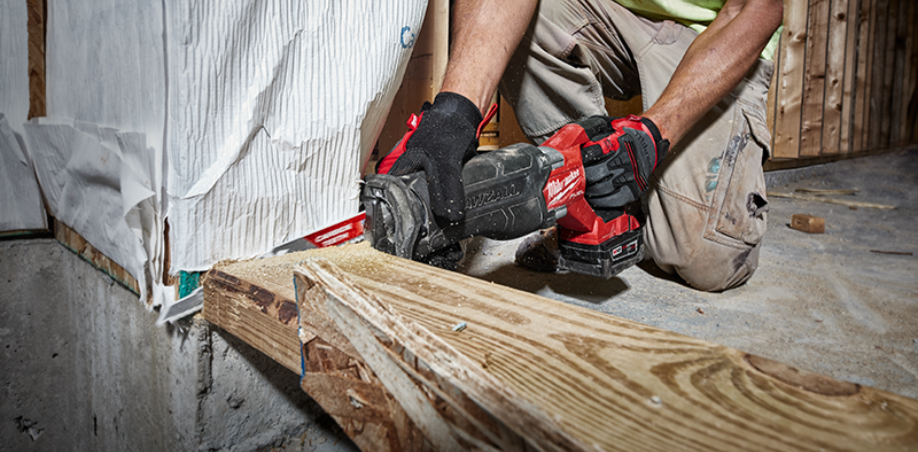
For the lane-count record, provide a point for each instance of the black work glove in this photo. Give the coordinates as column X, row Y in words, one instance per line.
column 445, row 137
column 619, row 159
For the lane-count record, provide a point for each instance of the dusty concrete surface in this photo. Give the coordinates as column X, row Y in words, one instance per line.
column 82, row 367
column 821, row 302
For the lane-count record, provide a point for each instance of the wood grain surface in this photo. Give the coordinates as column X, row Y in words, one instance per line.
column 814, row 81
column 866, row 24
column 790, row 83
column 836, row 59
column 568, row 378
column 38, row 19
column 256, row 302
column 76, row 243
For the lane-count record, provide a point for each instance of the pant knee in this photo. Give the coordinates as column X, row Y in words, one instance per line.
column 713, row 267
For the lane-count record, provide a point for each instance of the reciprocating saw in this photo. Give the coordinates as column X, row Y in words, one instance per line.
column 509, row 193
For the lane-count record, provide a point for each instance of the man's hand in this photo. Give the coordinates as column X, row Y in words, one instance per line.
column 619, row 159
column 439, row 143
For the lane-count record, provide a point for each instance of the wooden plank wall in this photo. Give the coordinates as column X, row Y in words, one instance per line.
column 846, row 74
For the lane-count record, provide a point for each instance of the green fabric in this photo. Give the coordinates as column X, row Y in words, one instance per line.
column 188, row 282
column 695, row 14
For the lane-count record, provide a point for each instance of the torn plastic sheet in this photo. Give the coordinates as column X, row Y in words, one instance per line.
column 21, row 207
column 102, row 183
column 273, row 107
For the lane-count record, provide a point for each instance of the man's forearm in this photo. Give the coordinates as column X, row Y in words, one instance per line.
column 714, row 64
column 485, row 35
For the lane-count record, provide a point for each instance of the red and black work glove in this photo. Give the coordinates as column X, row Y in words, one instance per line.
column 439, row 142
column 619, row 158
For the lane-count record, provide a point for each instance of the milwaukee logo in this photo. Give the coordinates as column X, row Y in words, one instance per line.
column 558, row 188
column 491, row 196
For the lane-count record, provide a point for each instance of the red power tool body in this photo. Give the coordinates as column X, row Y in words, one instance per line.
column 588, row 243
column 510, row 192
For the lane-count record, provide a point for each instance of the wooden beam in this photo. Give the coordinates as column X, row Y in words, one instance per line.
column 866, row 23
column 911, row 74
column 836, row 60
column 38, row 16
column 849, row 93
column 874, row 120
column 900, row 78
column 814, row 82
column 76, row 243
column 256, row 302
column 889, row 74
column 783, row 164
column 563, row 377
column 790, row 82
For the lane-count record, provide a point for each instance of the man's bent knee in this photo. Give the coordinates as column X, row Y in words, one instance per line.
column 715, row 268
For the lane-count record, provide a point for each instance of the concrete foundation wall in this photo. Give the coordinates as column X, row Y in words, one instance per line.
column 83, row 367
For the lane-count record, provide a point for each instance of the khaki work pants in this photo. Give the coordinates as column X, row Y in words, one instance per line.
column 706, row 206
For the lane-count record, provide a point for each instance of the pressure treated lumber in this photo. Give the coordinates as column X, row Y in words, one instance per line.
column 568, row 378
column 255, row 301
column 76, row 243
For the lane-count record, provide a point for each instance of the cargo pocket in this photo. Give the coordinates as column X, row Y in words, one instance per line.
column 741, row 215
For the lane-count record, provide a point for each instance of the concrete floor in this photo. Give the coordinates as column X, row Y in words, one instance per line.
column 822, row 302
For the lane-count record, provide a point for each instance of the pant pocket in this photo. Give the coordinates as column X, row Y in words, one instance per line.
column 739, row 205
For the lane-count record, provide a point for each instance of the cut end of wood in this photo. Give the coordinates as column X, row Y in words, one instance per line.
column 812, row 382
column 808, row 223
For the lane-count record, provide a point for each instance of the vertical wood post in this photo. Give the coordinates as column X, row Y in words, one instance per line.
column 38, row 16
column 790, row 88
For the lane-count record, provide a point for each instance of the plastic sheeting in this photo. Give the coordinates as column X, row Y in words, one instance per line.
column 274, row 105
column 99, row 153
column 14, row 63
column 105, row 64
column 244, row 123
column 102, row 183
column 20, row 200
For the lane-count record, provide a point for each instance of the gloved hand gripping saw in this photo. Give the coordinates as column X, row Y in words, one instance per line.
column 579, row 179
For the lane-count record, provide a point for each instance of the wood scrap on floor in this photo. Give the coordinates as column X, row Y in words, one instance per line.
column 843, row 202
column 826, row 191
column 897, row 253
column 808, row 223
